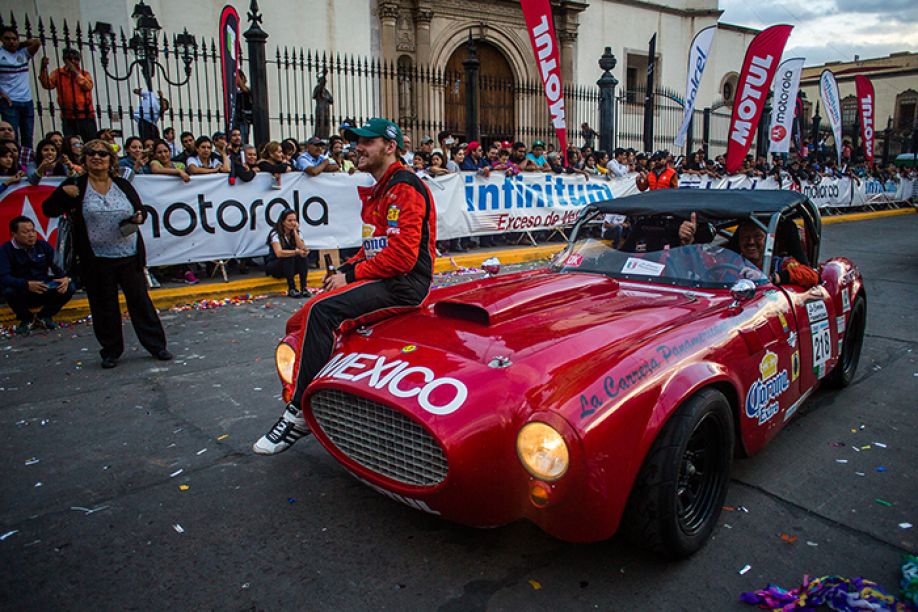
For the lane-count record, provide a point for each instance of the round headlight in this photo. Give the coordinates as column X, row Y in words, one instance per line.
column 542, row 451
column 285, row 358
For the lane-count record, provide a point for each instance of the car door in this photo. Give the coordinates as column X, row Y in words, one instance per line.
column 817, row 335
column 771, row 382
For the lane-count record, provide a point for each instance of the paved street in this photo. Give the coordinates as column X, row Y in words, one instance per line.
column 94, row 515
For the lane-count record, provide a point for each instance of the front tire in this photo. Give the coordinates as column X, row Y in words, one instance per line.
column 843, row 373
column 680, row 490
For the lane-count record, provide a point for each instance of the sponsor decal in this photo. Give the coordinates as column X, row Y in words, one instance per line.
column 787, row 82
column 792, row 339
column 762, row 398
column 828, row 91
column 613, row 386
column 816, row 311
column 633, row 265
column 840, row 324
column 574, row 261
column 865, row 97
column 392, row 215
column 436, row 395
column 846, row 299
column 409, row 348
column 795, row 365
column 783, row 321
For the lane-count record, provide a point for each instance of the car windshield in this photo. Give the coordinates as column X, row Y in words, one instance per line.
column 695, row 265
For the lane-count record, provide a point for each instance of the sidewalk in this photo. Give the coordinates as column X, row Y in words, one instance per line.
column 256, row 283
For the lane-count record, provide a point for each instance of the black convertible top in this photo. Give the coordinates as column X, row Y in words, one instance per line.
column 713, row 204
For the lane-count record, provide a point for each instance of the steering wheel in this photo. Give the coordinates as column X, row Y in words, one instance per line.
column 718, row 273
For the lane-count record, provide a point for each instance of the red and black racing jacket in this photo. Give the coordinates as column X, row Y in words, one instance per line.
column 400, row 229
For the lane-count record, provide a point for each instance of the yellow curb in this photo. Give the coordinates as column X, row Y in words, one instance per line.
column 878, row 214
column 165, row 298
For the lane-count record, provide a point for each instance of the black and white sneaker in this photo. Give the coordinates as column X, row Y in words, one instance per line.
column 290, row 427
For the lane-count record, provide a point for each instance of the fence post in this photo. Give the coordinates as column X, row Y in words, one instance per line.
column 471, row 64
column 706, row 131
column 690, row 136
column 256, row 38
column 648, row 95
column 607, row 84
column 886, row 135
column 762, row 139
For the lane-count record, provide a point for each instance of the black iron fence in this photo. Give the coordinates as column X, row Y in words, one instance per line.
column 424, row 100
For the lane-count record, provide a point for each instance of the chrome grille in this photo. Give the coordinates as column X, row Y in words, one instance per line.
column 379, row 438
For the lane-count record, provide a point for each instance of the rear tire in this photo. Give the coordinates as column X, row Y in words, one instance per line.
column 680, row 490
column 843, row 373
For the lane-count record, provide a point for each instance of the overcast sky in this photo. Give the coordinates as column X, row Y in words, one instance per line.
column 826, row 30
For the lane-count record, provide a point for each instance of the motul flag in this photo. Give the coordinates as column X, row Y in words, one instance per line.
column 787, row 82
column 229, row 60
column 759, row 69
column 865, row 100
column 541, row 30
column 698, row 59
column 828, row 91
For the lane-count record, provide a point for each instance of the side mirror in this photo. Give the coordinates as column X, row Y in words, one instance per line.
column 742, row 290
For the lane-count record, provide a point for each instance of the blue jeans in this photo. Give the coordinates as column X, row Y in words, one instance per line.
column 21, row 115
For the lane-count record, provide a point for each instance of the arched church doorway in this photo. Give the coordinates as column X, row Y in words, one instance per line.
column 496, row 94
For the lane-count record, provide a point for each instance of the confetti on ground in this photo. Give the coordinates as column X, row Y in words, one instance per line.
column 176, row 473
column 836, row 444
column 745, row 569
column 32, row 461
column 866, row 447
column 841, row 461
column 178, row 528
column 881, row 468
column 223, row 437
column 810, row 543
column 536, row 585
column 38, row 484
column 788, row 538
column 883, row 502
column 905, row 525
column 88, row 510
column 8, row 534
column 879, row 444
column 855, row 449
column 291, row 500
column 183, row 487
column 744, row 509
column 201, row 452
column 729, row 509
column 860, row 473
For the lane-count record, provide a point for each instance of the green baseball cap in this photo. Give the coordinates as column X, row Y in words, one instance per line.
column 377, row 127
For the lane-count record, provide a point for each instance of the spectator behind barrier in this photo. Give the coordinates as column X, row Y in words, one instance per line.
column 287, row 253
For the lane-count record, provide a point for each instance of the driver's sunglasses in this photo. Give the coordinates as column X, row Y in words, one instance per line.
column 97, row 153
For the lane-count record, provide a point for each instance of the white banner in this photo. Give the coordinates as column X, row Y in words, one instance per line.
column 208, row 219
column 784, row 103
column 828, row 91
column 698, row 59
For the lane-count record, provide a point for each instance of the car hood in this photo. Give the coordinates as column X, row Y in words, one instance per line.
column 533, row 340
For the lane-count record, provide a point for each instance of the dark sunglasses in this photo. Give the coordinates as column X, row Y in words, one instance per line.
column 97, row 153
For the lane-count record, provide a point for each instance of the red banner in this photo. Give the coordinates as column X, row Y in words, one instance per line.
column 759, row 67
column 230, row 56
column 865, row 101
column 541, row 30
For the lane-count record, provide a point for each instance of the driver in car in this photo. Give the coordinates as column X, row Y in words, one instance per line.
column 784, row 270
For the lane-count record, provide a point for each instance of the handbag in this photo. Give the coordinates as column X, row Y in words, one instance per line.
column 63, row 249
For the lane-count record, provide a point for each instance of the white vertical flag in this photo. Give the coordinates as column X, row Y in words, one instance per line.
column 784, row 102
column 698, row 59
column 828, row 91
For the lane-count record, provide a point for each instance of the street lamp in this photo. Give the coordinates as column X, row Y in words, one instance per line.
column 143, row 44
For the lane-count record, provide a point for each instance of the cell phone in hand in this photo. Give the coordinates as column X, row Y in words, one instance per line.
column 52, row 285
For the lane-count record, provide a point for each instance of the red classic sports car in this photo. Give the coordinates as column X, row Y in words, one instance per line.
column 610, row 390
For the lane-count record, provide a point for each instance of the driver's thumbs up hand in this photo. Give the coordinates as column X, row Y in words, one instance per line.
column 687, row 230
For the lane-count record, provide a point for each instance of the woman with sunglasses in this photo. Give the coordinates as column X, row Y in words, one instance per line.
column 106, row 213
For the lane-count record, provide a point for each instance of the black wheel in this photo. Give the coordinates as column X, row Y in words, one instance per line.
column 680, row 489
column 846, row 368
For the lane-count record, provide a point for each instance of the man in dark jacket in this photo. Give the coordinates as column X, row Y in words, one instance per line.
column 29, row 277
